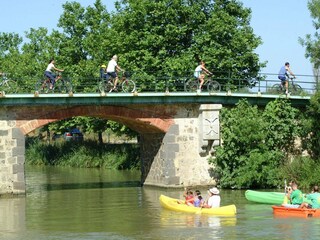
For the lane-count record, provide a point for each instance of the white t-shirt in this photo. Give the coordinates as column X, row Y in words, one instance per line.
column 50, row 66
column 112, row 66
column 197, row 71
column 214, row 201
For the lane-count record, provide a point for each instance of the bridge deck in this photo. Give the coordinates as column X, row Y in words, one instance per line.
column 226, row 98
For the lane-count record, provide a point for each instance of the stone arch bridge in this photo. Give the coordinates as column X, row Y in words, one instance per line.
column 177, row 131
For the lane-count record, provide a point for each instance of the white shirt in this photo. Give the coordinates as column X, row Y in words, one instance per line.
column 197, row 71
column 214, row 201
column 50, row 66
column 112, row 66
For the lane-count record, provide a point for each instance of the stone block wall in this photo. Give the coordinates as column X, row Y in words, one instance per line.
column 180, row 157
column 12, row 158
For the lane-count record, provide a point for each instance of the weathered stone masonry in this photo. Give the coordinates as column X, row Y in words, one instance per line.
column 176, row 140
column 12, row 149
column 180, row 157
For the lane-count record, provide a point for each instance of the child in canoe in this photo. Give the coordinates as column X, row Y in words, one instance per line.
column 189, row 198
column 188, row 194
column 314, row 197
column 295, row 196
column 198, row 200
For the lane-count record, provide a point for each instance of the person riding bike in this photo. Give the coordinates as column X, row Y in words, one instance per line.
column 49, row 74
column 103, row 73
column 199, row 73
column 283, row 75
column 112, row 70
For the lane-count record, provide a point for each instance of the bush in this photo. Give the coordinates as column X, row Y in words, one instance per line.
column 255, row 144
column 87, row 154
column 303, row 170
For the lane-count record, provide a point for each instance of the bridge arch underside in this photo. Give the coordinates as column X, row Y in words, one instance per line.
column 140, row 119
column 175, row 140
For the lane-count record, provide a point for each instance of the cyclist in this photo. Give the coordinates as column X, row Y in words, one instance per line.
column 112, row 70
column 103, row 74
column 284, row 74
column 49, row 74
column 200, row 72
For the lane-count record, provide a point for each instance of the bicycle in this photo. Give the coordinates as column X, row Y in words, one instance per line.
column 292, row 87
column 127, row 85
column 192, row 85
column 62, row 85
column 7, row 85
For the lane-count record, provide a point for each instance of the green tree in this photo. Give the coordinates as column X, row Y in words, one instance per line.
column 170, row 36
column 9, row 52
column 311, row 42
column 282, row 126
column 157, row 38
column 311, row 128
column 152, row 38
column 255, row 144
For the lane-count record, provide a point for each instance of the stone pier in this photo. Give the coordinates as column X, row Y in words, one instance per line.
column 180, row 156
column 12, row 149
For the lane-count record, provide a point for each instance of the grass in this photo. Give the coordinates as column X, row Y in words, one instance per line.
column 86, row 154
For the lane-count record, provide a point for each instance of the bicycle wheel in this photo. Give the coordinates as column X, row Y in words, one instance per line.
column 10, row 86
column 105, row 86
column 277, row 88
column 43, row 86
column 128, row 86
column 296, row 89
column 213, row 86
column 63, row 86
column 191, row 85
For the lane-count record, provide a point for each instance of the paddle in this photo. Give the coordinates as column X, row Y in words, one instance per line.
column 285, row 200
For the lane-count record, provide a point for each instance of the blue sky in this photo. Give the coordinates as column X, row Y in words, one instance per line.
column 278, row 22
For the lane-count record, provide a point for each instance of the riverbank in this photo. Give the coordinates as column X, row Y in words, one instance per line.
column 86, row 154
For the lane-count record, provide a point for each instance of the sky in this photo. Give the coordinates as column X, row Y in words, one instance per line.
column 278, row 22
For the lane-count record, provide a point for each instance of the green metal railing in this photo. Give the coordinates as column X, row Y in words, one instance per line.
column 264, row 83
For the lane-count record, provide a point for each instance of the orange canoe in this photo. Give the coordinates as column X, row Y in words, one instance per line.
column 280, row 211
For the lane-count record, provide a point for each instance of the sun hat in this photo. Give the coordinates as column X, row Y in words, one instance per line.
column 214, row 190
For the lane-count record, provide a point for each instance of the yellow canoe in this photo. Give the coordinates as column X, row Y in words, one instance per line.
column 173, row 204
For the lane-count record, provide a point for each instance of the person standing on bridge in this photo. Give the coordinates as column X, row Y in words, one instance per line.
column 283, row 75
column 200, row 72
column 49, row 74
column 112, row 70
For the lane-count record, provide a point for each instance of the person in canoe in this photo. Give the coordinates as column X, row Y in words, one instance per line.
column 295, row 196
column 314, row 197
column 198, row 199
column 214, row 198
column 189, row 198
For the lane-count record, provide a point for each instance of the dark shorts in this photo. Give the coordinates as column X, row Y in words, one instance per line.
column 50, row 75
column 112, row 74
column 282, row 78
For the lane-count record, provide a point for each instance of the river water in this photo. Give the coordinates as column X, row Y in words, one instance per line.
column 67, row 203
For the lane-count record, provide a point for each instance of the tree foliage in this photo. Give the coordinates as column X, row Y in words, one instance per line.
column 311, row 128
column 153, row 39
column 311, row 42
column 255, row 144
column 165, row 37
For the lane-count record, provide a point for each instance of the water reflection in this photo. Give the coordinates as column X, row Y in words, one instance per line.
column 12, row 212
column 170, row 218
column 91, row 185
column 93, row 204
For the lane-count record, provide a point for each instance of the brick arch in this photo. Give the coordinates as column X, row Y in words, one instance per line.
column 143, row 119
